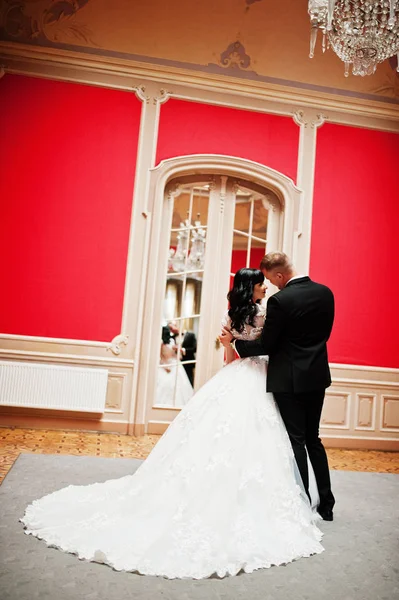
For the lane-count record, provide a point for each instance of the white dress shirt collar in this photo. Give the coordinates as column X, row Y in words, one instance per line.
column 295, row 277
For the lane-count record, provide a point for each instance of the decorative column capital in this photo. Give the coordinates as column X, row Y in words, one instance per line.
column 318, row 121
column 306, row 118
column 162, row 96
column 300, row 118
column 151, row 94
column 140, row 92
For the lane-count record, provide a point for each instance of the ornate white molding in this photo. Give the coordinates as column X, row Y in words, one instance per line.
column 212, row 183
column 115, row 392
column 232, row 166
column 318, row 121
column 271, row 201
column 51, row 340
column 140, row 92
column 148, row 93
column 59, row 357
column 174, row 190
column 162, row 97
column 299, row 118
column 336, row 410
column 223, row 192
column 287, row 193
column 236, row 187
column 359, row 382
column 116, row 345
column 385, row 425
column 308, row 120
column 365, row 402
column 390, row 371
column 357, row 408
column 195, row 85
column 304, row 118
column 235, row 57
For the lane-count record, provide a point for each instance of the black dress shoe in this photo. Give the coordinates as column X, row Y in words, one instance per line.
column 326, row 514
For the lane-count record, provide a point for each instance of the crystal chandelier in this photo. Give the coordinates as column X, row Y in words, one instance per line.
column 182, row 260
column 362, row 33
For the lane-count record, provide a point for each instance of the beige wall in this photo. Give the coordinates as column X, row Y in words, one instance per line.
column 193, row 35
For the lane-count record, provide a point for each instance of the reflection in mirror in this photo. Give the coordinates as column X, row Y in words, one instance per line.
column 182, row 300
column 173, row 385
column 249, row 234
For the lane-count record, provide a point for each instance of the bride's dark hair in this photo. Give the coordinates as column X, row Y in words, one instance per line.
column 165, row 335
column 242, row 308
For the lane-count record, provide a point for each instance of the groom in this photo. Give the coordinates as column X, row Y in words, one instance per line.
column 298, row 324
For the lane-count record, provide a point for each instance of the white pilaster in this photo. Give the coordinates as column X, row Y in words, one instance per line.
column 152, row 97
column 309, row 121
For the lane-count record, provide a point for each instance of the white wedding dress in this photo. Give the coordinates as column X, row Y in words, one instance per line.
column 218, row 493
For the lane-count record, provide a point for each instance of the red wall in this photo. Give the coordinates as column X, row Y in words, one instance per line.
column 194, row 128
column 355, row 241
column 67, row 164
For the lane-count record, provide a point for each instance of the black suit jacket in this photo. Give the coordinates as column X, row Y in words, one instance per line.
column 298, row 324
column 190, row 345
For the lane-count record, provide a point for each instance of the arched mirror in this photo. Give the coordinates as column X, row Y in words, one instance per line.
column 181, row 314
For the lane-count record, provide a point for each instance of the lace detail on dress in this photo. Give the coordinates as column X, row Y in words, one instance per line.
column 250, row 332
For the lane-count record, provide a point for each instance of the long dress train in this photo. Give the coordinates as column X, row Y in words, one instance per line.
column 218, row 493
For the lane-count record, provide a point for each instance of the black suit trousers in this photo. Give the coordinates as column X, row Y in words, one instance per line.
column 301, row 415
column 189, row 369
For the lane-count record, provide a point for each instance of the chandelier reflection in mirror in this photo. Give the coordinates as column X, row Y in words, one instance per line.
column 196, row 255
column 362, row 33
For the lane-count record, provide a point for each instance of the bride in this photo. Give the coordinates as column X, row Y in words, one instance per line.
column 219, row 493
column 173, row 385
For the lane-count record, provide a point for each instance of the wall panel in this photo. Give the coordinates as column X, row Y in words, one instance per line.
column 67, row 166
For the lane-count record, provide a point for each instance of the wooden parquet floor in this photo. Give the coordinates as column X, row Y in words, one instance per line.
column 13, row 441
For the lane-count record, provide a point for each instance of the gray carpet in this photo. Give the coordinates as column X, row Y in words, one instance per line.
column 360, row 561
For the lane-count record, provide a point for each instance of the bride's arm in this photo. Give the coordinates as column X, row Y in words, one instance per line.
column 230, row 354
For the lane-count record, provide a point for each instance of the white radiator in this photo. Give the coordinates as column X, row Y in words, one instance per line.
column 57, row 387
